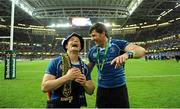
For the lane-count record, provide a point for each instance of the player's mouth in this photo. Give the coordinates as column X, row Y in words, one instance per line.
column 75, row 45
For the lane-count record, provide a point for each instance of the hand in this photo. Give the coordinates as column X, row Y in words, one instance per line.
column 73, row 73
column 118, row 61
column 81, row 79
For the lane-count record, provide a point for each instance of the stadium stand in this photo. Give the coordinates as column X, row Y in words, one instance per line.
column 37, row 43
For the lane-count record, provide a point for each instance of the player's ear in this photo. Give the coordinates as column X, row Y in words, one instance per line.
column 103, row 33
column 66, row 46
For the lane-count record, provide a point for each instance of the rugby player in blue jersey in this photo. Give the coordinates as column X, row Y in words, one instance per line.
column 67, row 78
column 110, row 55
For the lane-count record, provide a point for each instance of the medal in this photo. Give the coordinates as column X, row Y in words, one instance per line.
column 101, row 66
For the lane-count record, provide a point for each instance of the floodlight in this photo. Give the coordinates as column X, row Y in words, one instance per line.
column 80, row 21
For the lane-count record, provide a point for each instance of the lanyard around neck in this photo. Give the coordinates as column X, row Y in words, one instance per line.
column 104, row 56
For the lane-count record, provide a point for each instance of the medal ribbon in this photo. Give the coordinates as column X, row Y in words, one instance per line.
column 104, row 56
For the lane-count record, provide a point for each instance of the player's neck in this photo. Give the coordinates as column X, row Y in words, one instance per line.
column 103, row 44
column 73, row 57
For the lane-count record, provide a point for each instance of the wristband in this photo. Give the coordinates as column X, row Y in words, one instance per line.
column 130, row 54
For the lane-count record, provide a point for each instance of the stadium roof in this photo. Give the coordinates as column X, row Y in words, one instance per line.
column 118, row 12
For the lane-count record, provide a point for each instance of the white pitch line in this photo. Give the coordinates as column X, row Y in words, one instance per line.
column 157, row 76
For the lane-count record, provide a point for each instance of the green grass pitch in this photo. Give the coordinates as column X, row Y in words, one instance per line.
column 152, row 84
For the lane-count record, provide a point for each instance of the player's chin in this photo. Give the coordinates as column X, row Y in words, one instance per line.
column 75, row 49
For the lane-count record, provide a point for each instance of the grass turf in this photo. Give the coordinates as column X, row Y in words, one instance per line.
column 152, row 84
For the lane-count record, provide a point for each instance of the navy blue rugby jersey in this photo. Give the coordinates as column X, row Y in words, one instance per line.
column 109, row 77
column 54, row 68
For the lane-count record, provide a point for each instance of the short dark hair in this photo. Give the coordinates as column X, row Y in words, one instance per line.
column 100, row 28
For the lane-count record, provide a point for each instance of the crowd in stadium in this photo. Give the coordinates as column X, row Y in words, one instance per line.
column 160, row 43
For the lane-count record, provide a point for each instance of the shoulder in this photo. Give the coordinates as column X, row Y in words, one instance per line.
column 53, row 67
column 56, row 60
column 92, row 50
column 118, row 41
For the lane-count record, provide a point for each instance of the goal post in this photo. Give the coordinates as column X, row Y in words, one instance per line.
column 10, row 55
